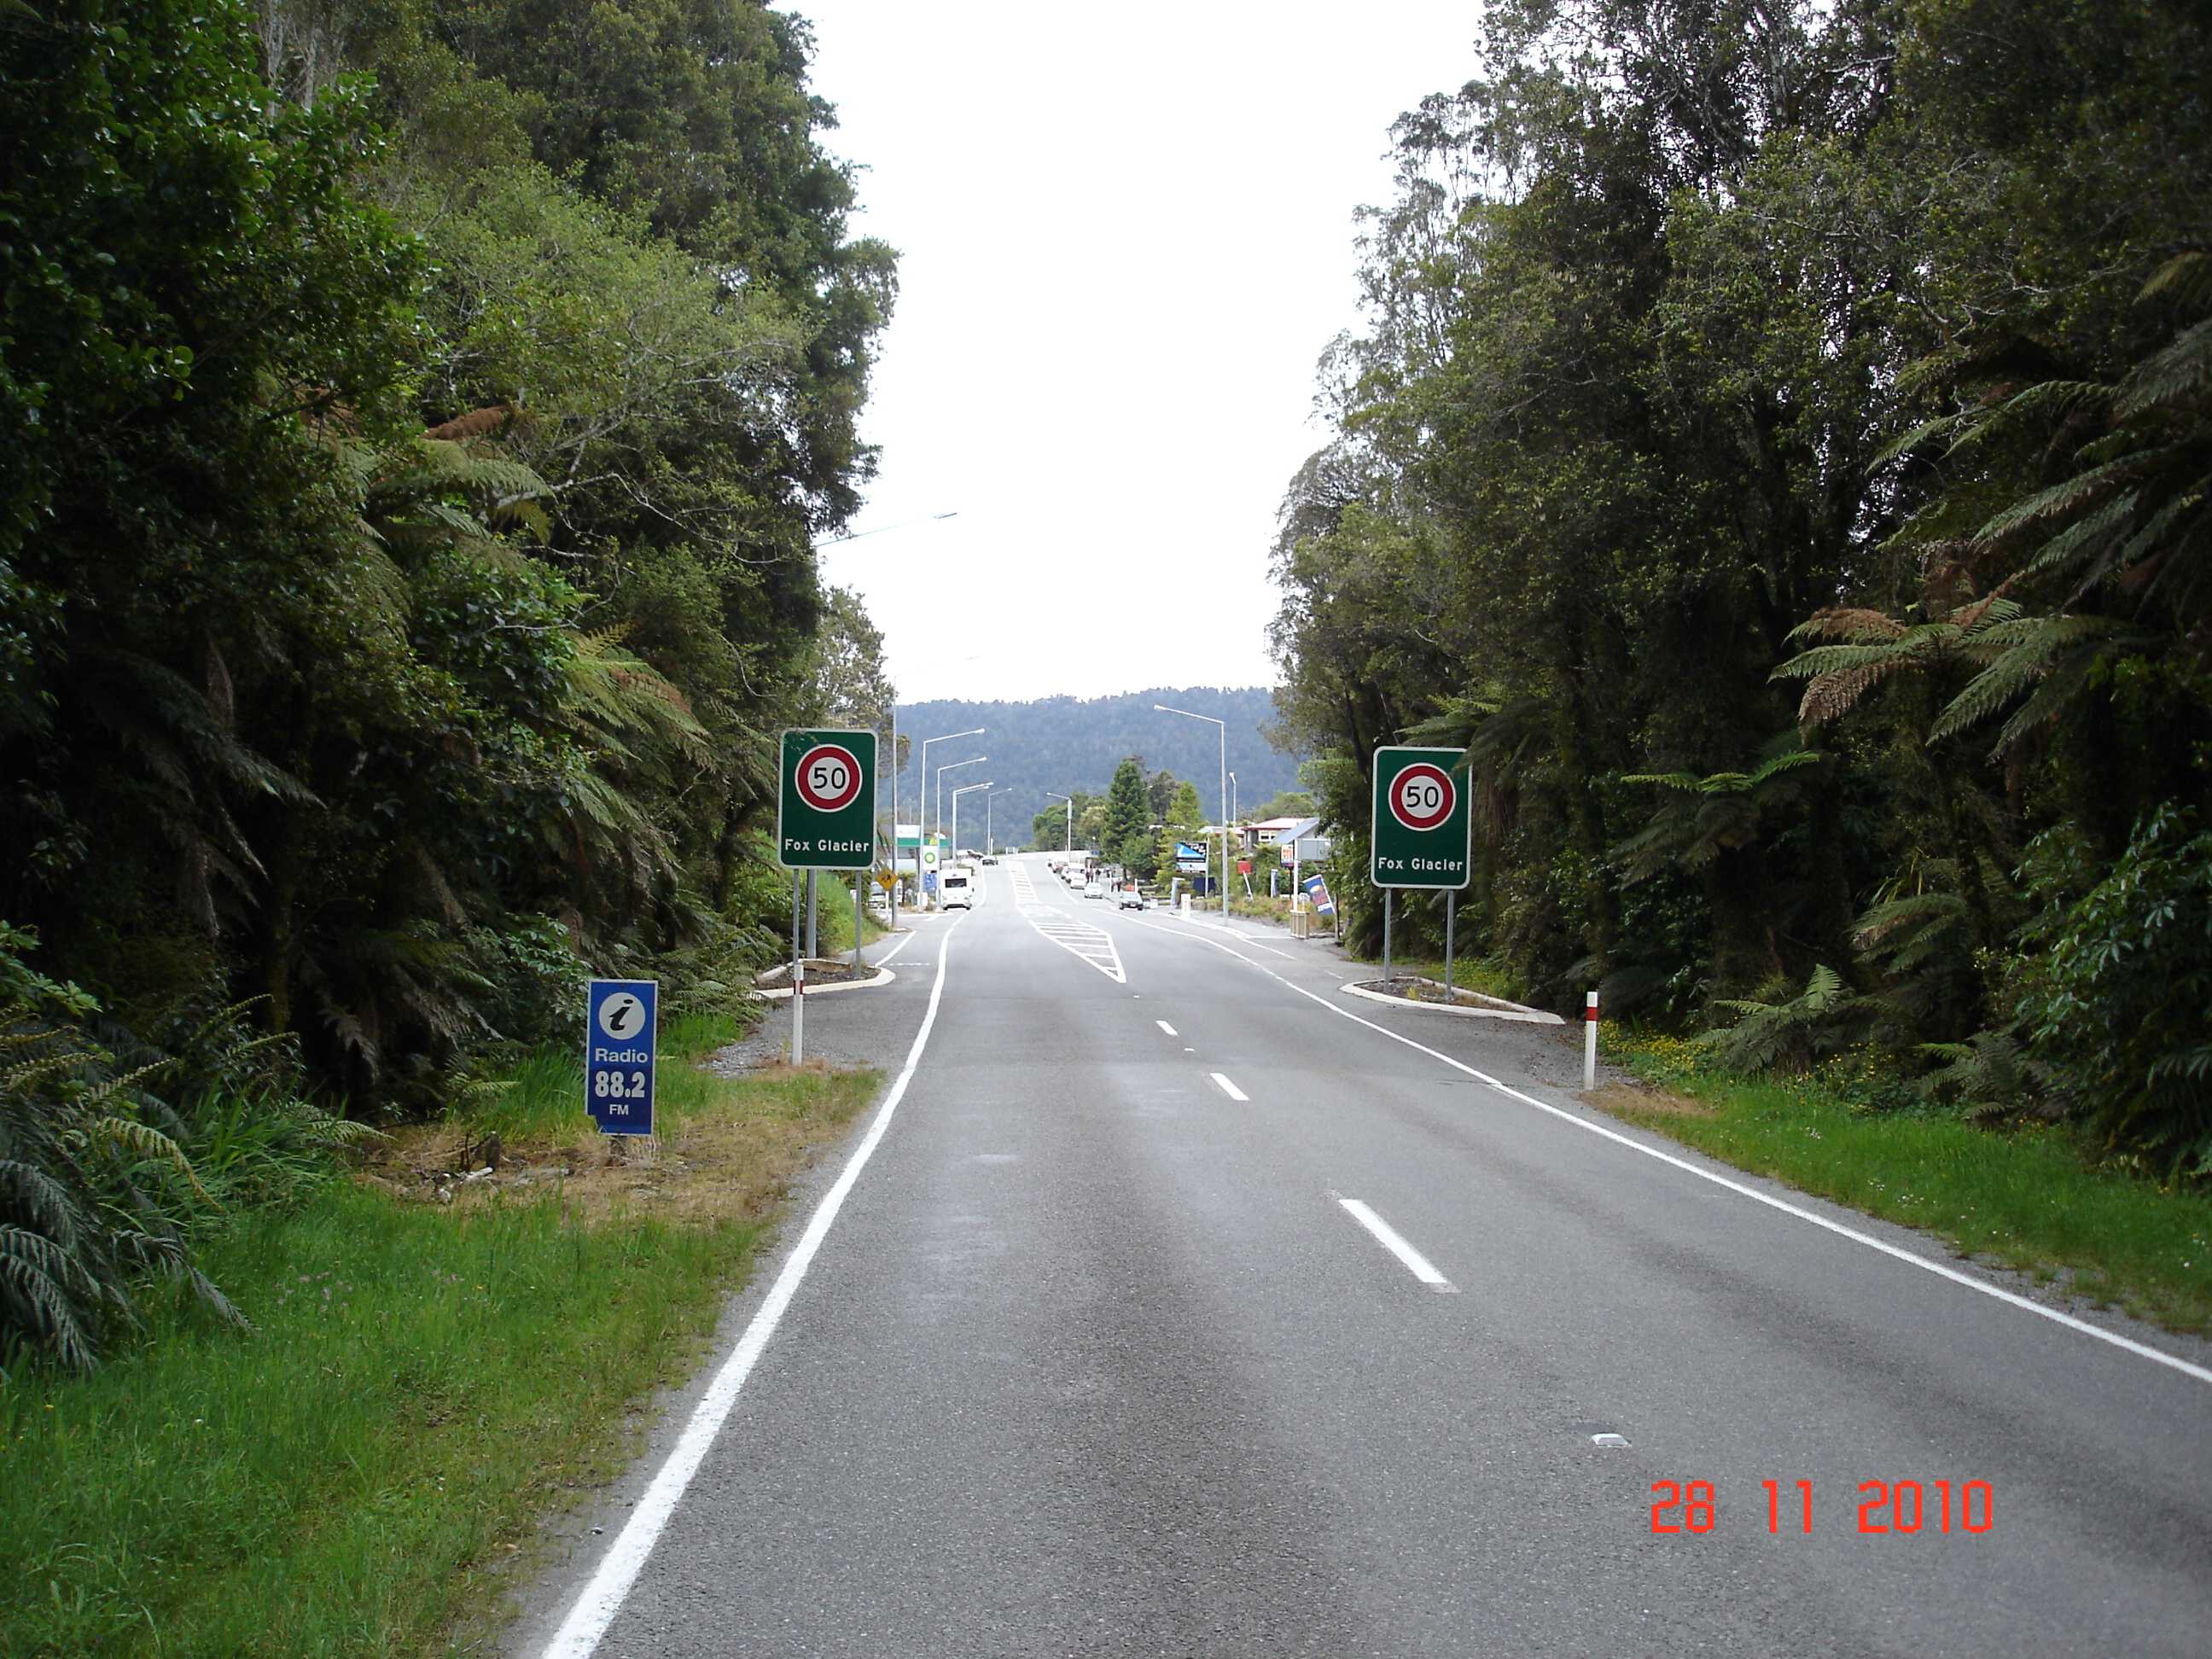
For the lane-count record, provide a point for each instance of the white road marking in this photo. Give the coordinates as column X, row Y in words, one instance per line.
column 1390, row 1238
column 602, row 1597
column 1229, row 1088
column 1093, row 944
column 1996, row 1293
column 886, row 956
column 1169, row 1028
column 1245, row 938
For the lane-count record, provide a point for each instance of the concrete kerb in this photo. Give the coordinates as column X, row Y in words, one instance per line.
column 1512, row 1011
column 882, row 976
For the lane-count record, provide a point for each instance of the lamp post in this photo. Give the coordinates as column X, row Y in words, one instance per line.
column 1163, row 708
column 938, row 828
column 969, row 790
column 1070, row 800
column 920, row 806
column 990, row 847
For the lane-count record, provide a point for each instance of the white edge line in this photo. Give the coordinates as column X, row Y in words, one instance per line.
column 602, row 1598
column 1229, row 1088
column 1169, row 1028
column 886, row 956
column 1391, row 1240
column 2057, row 1317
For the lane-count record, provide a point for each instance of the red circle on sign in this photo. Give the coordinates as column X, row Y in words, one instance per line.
column 1422, row 796
column 828, row 777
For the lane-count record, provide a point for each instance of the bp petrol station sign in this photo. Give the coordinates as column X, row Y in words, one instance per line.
column 1422, row 832
column 825, row 815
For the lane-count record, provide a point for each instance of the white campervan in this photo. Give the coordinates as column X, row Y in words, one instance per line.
column 959, row 889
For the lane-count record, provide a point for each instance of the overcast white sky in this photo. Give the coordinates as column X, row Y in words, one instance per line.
column 1125, row 236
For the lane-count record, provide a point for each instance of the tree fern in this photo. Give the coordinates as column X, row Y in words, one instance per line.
column 1791, row 1032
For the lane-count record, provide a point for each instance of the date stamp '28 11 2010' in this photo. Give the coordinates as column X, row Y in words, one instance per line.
column 1910, row 1508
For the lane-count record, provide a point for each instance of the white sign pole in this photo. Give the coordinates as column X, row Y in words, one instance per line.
column 798, row 971
column 1590, row 1041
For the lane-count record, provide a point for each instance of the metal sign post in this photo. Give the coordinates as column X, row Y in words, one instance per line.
column 622, row 1032
column 798, row 971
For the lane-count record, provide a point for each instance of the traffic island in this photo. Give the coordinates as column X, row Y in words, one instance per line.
column 824, row 975
column 1420, row 991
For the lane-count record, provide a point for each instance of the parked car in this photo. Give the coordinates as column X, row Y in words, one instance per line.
column 1131, row 898
column 1094, row 890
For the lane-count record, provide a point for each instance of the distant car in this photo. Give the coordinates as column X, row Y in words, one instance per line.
column 1094, row 890
column 990, row 858
column 1130, row 898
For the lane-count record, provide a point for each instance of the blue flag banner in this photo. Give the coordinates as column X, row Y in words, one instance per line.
column 621, row 1028
column 1317, row 894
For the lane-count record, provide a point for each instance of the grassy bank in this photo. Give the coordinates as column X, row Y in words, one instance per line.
column 431, row 1367
column 2028, row 1198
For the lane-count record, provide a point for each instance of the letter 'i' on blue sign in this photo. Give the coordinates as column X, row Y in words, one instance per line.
column 621, row 1027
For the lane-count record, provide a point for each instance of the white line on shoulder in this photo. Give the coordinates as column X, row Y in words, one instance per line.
column 602, row 1597
column 1997, row 1292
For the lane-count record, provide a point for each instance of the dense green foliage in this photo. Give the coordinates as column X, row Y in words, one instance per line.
column 1778, row 455
column 420, row 418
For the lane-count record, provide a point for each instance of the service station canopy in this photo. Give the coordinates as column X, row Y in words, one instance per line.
column 1422, row 831
column 825, row 815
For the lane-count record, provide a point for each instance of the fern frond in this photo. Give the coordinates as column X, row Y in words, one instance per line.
column 2033, row 643
column 2182, row 369
column 2186, row 277
column 1851, row 622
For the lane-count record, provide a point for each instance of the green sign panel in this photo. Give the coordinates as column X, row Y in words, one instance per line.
column 825, row 812
column 1423, row 833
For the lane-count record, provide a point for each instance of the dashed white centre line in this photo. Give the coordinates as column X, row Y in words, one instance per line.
column 1169, row 1028
column 1229, row 1088
column 1388, row 1236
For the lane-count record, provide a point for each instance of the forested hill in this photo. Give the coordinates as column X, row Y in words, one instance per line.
column 1071, row 744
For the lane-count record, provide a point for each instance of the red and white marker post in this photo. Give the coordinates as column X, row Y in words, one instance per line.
column 1590, row 1040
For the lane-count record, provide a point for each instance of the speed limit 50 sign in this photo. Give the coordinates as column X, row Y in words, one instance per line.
column 825, row 817
column 1422, row 832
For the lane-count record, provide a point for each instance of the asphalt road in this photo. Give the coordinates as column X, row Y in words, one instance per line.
column 1100, row 1356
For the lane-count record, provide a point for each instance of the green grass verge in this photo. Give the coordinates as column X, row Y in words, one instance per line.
column 351, row 1476
column 2023, row 1197
column 1468, row 975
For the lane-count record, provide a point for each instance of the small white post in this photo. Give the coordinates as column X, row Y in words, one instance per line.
column 1590, row 1041
column 798, row 971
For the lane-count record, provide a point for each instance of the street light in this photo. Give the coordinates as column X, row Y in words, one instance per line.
column 951, row 766
column 1070, row 800
column 990, row 849
column 969, row 790
column 1161, row 707
column 921, row 806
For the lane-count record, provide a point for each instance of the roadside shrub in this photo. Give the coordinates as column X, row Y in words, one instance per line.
column 2115, row 992
column 95, row 1192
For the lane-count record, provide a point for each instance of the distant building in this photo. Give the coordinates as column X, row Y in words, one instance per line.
column 1267, row 831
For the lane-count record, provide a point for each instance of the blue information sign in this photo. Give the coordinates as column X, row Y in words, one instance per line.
column 1318, row 891
column 622, row 1024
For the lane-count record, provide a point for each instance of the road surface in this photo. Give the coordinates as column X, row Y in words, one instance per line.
column 1180, row 1308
